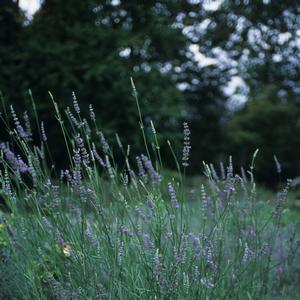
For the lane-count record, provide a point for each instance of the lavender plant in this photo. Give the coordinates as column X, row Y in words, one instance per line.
column 99, row 231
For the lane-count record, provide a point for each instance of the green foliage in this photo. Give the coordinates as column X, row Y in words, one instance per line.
column 11, row 30
column 273, row 126
column 262, row 38
column 101, row 230
column 93, row 49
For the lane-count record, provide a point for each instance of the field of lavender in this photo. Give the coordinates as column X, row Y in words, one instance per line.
column 101, row 230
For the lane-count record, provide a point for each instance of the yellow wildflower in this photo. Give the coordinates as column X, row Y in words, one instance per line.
column 67, row 250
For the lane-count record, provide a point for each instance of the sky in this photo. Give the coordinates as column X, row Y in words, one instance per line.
column 30, row 6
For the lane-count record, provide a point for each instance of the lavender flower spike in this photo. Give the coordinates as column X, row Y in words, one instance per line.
column 148, row 244
column 247, row 255
column 155, row 177
column 27, row 124
column 140, row 166
column 15, row 161
column 196, row 246
column 149, row 203
column 75, row 103
column 103, row 142
column 43, row 132
column 92, row 113
column 187, row 145
column 172, row 194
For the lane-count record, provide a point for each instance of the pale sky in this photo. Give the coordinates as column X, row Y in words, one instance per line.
column 30, row 6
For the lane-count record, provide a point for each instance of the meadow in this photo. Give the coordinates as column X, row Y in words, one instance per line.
column 134, row 230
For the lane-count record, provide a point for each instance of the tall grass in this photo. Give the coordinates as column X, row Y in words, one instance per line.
column 105, row 231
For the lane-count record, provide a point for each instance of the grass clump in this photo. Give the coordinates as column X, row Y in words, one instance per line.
column 101, row 231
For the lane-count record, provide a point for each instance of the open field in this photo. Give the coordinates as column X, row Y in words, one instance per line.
column 101, row 230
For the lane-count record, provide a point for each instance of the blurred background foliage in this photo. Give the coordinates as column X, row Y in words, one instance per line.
column 184, row 56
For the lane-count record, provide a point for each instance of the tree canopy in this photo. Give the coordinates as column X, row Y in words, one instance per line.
column 182, row 55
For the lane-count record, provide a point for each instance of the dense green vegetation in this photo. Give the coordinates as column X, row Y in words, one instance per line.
column 124, row 195
column 101, row 230
column 93, row 47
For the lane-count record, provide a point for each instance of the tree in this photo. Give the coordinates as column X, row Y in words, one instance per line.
column 261, row 39
column 259, row 42
column 11, row 20
column 272, row 125
column 94, row 49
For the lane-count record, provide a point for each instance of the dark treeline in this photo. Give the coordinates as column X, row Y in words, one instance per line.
column 94, row 47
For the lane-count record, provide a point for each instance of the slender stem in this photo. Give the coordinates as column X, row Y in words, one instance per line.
column 142, row 126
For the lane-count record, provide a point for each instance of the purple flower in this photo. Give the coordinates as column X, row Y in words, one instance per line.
column 147, row 241
column 75, row 103
column 281, row 199
column 92, row 113
column 83, row 151
column 15, row 161
column 149, row 203
column 248, row 254
column 43, row 132
column 157, row 265
column 77, row 171
column 77, row 158
column 21, row 132
column 103, row 142
column 23, row 168
column 172, row 194
column 155, row 177
column 208, row 284
column 204, row 199
column 187, row 144
column 132, row 174
column 27, row 124
column 140, row 213
column 109, row 168
column 87, row 127
column 140, row 166
column 59, row 238
column 181, row 255
column 67, row 175
column 196, row 245
column 125, row 231
column 213, row 172
column 210, row 256
column 97, row 156
column 72, row 118
column 15, row 117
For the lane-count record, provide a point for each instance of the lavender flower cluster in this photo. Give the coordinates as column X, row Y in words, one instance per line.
column 134, row 231
column 15, row 161
column 146, row 169
column 187, row 144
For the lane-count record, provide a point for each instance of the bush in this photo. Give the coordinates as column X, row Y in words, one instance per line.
column 102, row 231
